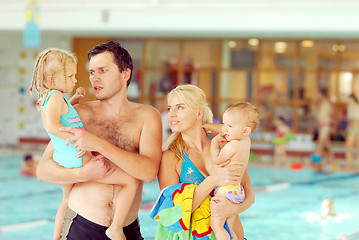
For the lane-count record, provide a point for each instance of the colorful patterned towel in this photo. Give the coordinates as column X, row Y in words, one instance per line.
column 173, row 212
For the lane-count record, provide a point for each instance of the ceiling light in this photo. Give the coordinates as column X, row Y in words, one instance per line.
column 307, row 43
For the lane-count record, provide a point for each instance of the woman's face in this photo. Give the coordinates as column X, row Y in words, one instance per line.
column 180, row 117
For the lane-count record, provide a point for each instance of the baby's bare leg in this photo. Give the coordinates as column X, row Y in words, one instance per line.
column 217, row 226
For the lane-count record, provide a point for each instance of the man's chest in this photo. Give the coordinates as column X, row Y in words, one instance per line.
column 124, row 133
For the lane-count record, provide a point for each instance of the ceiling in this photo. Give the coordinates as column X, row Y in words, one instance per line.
column 190, row 18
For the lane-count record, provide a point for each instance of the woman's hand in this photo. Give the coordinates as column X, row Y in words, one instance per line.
column 221, row 207
column 226, row 175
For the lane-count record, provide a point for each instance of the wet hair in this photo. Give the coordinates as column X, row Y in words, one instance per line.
column 122, row 58
column 324, row 92
column 248, row 111
column 193, row 97
column 281, row 118
column 354, row 97
column 50, row 62
column 27, row 157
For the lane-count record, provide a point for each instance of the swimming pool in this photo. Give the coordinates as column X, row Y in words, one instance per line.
column 287, row 205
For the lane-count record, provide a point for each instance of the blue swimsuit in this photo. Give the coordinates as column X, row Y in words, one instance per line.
column 189, row 172
column 66, row 155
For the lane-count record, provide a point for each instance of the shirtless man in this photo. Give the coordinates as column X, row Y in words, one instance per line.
column 127, row 133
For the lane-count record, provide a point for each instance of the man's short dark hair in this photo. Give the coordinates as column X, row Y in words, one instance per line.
column 122, row 58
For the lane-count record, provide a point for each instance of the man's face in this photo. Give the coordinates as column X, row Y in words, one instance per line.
column 105, row 76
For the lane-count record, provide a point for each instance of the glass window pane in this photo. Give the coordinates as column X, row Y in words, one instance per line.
column 311, row 81
column 349, row 56
column 269, row 112
column 277, row 54
column 134, row 47
column 275, row 84
column 162, row 53
column 134, row 89
column 203, row 54
column 239, row 54
column 305, row 120
column 307, row 84
column 318, row 55
column 157, row 83
column 236, row 84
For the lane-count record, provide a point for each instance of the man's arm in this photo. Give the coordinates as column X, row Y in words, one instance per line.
column 49, row 171
column 143, row 165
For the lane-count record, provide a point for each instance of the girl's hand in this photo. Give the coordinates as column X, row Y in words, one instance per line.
column 81, row 92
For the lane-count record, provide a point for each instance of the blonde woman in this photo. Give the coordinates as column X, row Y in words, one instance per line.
column 187, row 158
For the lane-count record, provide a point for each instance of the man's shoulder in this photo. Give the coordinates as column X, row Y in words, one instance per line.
column 145, row 110
column 87, row 107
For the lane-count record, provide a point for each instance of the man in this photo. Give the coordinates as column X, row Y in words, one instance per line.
column 324, row 116
column 127, row 133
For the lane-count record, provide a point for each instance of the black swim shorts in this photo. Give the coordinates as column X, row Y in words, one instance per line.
column 76, row 227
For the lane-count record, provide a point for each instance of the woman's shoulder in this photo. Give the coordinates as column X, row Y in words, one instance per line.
column 168, row 154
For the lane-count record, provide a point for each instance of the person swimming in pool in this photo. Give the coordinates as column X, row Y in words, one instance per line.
column 29, row 165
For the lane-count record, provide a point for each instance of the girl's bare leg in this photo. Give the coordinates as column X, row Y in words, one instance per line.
column 66, row 189
column 122, row 203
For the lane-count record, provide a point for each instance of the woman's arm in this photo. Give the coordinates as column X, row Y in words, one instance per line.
column 219, row 176
column 223, row 208
column 167, row 174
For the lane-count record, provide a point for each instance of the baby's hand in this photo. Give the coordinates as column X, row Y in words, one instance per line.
column 206, row 126
column 221, row 138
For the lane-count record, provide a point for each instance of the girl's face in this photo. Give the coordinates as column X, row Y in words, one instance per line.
column 180, row 117
column 66, row 83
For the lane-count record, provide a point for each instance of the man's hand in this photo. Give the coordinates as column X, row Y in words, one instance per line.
column 97, row 168
column 83, row 140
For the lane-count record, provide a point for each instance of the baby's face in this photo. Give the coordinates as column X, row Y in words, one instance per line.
column 233, row 125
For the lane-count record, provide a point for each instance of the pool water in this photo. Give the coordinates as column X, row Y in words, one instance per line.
column 287, row 205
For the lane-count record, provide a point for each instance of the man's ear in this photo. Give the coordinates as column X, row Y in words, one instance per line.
column 126, row 74
column 247, row 131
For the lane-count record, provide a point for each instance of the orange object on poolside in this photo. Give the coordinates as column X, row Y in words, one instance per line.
column 28, row 172
column 296, row 166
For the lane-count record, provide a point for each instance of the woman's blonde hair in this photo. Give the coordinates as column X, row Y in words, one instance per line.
column 193, row 97
column 49, row 63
